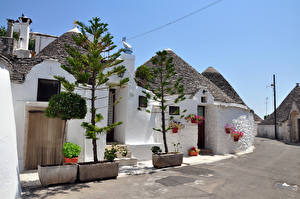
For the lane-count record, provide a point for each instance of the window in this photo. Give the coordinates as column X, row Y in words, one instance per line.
column 174, row 110
column 203, row 100
column 143, row 101
column 47, row 88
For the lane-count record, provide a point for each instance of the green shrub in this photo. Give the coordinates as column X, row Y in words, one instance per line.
column 110, row 154
column 66, row 106
column 156, row 150
column 71, row 150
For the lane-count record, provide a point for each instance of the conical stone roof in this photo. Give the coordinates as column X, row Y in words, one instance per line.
column 191, row 79
column 55, row 50
column 215, row 77
column 284, row 109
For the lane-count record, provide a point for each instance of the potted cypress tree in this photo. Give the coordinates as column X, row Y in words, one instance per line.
column 160, row 76
column 66, row 106
column 92, row 67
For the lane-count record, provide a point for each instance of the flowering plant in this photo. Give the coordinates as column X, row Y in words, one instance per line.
column 229, row 128
column 237, row 135
column 175, row 124
column 195, row 118
column 193, row 149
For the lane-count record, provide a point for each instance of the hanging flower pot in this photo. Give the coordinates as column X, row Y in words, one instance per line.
column 194, row 121
column 175, row 130
column 71, row 160
column 237, row 135
column 236, row 138
column 227, row 130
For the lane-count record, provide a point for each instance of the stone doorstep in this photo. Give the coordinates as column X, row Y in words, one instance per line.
column 126, row 161
column 205, row 152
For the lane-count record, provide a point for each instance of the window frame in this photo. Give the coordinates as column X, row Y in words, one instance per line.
column 141, row 103
column 39, row 98
column 172, row 112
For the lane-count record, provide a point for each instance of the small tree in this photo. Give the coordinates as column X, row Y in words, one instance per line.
column 160, row 76
column 92, row 69
column 66, row 106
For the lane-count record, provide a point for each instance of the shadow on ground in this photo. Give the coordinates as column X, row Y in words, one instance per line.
column 42, row 192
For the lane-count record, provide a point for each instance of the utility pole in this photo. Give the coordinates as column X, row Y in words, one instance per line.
column 267, row 106
column 275, row 115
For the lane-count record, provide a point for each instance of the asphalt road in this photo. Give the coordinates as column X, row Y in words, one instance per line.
column 271, row 171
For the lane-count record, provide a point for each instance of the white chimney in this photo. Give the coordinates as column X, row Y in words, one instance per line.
column 22, row 26
column 24, row 29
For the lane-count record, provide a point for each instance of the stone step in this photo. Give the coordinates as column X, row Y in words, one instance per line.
column 126, row 161
column 206, row 152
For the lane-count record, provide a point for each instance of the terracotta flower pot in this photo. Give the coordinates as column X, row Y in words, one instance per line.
column 175, row 130
column 227, row 130
column 71, row 160
column 236, row 138
column 193, row 153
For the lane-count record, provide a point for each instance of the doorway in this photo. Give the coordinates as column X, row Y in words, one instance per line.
column 111, row 114
column 201, row 128
column 44, row 140
column 299, row 130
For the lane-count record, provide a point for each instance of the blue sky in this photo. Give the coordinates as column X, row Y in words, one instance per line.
column 246, row 41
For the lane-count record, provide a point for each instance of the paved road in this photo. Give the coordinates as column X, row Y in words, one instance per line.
column 272, row 171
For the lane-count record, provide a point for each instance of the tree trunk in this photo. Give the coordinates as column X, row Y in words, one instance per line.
column 163, row 126
column 164, row 129
column 93, row 112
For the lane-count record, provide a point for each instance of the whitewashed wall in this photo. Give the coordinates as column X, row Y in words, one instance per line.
column 9, row 171
column 42, row 41
column 25, row 96
column 220, row 115
column 268, row 131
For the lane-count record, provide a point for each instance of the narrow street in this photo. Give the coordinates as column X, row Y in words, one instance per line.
column 271, row 171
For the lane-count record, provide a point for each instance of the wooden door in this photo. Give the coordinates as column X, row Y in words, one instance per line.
column 201, row 128
column 44, row 140
column 111, row 114
column 298, row 130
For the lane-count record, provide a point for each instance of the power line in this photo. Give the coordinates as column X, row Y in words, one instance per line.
column 176, row 20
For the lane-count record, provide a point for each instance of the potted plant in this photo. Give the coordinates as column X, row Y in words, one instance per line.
column 193, row 151
column 159, row 73
column 229, row 128
column 237, row 135
column 65, row 105
column 103, row 170
column 195, row 118
column 162, row 160
column 175, row 126
column 92, row 66
column 71, row 152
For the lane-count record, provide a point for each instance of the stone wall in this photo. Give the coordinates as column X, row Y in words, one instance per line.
column 6, row 45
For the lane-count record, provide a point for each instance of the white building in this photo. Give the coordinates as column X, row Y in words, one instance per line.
column 39, row 138
column 288, row 119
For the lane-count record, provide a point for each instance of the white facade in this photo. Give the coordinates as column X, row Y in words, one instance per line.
column 25, row 99
column 9, row 170
column 288, row 130
column 41, row 40
column 137, row 128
